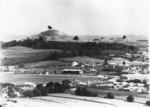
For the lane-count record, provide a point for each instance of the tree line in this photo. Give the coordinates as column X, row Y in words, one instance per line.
column 74, row 48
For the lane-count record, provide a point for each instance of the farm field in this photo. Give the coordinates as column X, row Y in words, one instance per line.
column 19, row 51
column 37, row 79
column 47, row 64
column 18, row 54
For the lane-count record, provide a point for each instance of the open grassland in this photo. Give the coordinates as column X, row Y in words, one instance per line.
column 18, row 54
column 19, row 51
column 82, row 59
column 47, row 64
column 37, row 79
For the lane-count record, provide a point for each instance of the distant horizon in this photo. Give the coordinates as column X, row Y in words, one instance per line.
column 20, row 37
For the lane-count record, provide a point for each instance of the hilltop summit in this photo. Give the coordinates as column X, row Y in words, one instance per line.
column 51, row 34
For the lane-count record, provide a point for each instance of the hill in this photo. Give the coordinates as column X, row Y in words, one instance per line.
column 52, row 35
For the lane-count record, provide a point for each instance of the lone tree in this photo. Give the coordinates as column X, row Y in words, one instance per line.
column 124, row 37
column 76, row 38
column 49, row 27
column 123, row 62
column 105, row 61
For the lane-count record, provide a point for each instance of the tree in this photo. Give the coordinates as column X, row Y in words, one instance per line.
column 124, row 37
column 110, row 95
column 42, row 89
column 50, row 87
column 123, row 62
column 49, row 27
column 36, row 92
column 130, row 98
column 21, row 65
column 41, row 38
column 105, row 61
column 76, row 38
column 66, row 83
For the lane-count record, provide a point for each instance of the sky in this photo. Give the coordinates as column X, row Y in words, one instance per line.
column 23, row 18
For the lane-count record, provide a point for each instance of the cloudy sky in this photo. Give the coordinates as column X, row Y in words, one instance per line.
column 20, row 18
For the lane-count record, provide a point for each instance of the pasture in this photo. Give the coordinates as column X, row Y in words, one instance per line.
column 19, row 51
column 37, row 79
column 19, row 54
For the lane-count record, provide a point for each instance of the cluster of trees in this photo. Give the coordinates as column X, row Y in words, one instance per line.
column 83, row 91
column 57, row 87
column 73, row 48
column 50, row 87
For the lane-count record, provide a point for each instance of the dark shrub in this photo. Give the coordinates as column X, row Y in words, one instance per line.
column 130, row 98
column 62, row 88
column 85, row 92
column 82, row 91
column 57, row 87
column 42, row 89
column 50, row 87
column 11, row 92
column 66, row 83
column 36, row 92
column 7, row 84
column 148, row 103
column 110, row 95
column 28, row 93
column 95, row 95
column 78, row 91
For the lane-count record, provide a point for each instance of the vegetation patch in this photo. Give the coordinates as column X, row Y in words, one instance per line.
column 82, row 91
column 110, row 95
column 148, row 102
column 130, row 98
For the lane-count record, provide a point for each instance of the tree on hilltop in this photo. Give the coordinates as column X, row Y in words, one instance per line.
column 124, row 37
column 76, row 38
column 49, row 27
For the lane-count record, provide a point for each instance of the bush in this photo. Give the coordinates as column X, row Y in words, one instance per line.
column 66, row 84
column 36, row 92
column 28, row 93
column 78, row 91
column 148, row 103
column 11, row 92
column 42, row 89
column 50, row 87
column 82, row 91
column 130, row 98
column 95, row 95
column 110, row 95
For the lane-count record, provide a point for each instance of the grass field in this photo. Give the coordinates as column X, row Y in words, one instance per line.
column 22, row 78
column 19, row 51
column 18, row 54
column 82, row 59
